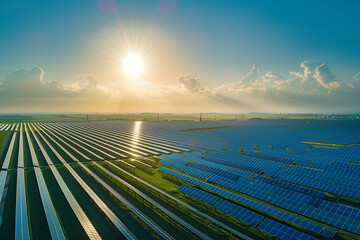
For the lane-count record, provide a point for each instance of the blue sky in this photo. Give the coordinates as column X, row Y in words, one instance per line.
column 216, row 42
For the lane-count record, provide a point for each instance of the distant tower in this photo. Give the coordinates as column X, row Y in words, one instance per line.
column 158, row 115
column 200, row 117
column 87, row 117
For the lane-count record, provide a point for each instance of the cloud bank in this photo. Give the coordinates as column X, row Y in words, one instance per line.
column 29, row 90
column 314, row 87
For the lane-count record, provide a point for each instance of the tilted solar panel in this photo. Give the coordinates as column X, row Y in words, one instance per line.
column 282, row 231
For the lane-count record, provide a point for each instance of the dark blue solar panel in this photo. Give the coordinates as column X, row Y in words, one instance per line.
column 174, row 159
column 320, row 171
column 198, row 194
column 241, row 213
column 308, row 225
column 191, row 171
column 292, row 187
column 269, row 157
column 240, row 172
column 166, row 162
column 215, row 171
column 196, row 158
column 282, row 231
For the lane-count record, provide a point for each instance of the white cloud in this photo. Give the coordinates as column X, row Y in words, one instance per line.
column 315, row 75
column 29, row 89
column 252, row 76
column 276, row 81
column 27, row 83
column 355, row 84
column 314, row 88
column 325, row 77
column 309, row 69
column 189, row 85
column 357, row 76
column 188, row 82
column 261, row 84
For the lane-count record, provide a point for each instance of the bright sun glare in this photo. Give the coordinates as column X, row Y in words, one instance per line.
column 133, row 65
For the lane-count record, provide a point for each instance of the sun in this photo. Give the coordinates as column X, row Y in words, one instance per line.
column 133, row 65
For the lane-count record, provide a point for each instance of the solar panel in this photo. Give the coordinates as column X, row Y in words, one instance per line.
column 328, row 233
column 167, row 162
column 240, row 172
column 198, row 194
column 282, row 231
column 239, row 212
column 292, row 187
column 308, row 225
column 214, row 170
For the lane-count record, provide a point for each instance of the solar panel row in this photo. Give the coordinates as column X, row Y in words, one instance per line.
column 5, row 127
column 198, row 194
column 282, row 231
column 275, row 228
column 179, row 220
column 75, row 206
column 237, row 211
column 97, row 200
column 340, row 216
column 21, row 218
column 241, row 213
column 51, row 216
column 297, row 188
column 304, row 155
column 308, row 225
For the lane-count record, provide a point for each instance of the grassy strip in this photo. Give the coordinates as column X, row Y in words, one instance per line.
column 356, row 163
column 7, row 230
column 4, row 146
column 326, row 144
column 2, row 136
column 27, row 155
column 155, row 178
column 155, row 214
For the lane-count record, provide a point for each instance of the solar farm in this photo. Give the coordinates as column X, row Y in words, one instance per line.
column 260, row 179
